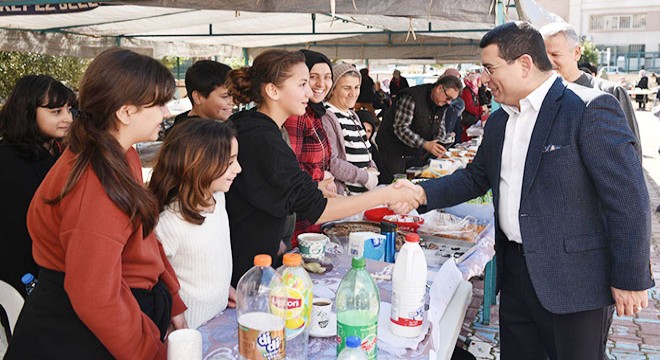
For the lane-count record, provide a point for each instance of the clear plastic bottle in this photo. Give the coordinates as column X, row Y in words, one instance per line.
column 357, row 305
column 30, row 282
column 408, row 289
column 260, row 311
column 352, row 351
column 299, row 305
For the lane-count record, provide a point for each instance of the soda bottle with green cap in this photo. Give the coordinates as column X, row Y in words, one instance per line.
column 357, row 305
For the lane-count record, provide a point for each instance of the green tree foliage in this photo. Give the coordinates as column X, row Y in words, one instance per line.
column 177, row 68
column 179, row 65
column 589, row 52
column 14, row 65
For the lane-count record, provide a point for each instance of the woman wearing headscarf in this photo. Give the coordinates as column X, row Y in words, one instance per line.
column 308, row 138
column 351, row 165
column 271, row 184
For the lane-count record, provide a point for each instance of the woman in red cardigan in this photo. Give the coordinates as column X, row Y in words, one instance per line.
column 106, row 289
column 309, row 140
column 473, row 109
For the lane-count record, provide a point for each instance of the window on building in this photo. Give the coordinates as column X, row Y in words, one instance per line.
column 597, row 23
column 636, row 48
column 616, row 22
column 639, row 21
column 624, row 22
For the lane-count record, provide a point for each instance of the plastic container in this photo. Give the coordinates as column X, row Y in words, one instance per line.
column 408, row 223
column 408, row 289
column 299, row 305
column 367, row 244
column 357, row 305
column 30, row 282
column 352, row 351
column 377, row 214
column 261, row 312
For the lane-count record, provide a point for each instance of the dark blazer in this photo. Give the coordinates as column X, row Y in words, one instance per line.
column 621, row 95
column 584, row 212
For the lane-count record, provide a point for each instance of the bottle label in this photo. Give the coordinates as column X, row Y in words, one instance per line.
column 261, row 345
column 407, row 309
column 297, row 302
column 368, row 334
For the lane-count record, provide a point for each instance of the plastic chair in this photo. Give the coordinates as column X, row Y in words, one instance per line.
column 12, row 302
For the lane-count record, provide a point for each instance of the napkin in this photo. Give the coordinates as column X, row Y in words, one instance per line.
column 393, row 344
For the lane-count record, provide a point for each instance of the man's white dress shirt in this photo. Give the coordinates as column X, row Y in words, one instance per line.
column 518, row 134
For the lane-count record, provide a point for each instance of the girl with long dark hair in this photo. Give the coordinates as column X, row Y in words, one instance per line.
column 106, row 289
column 33, row 121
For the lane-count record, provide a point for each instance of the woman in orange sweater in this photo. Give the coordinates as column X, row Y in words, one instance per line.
column 106, row 289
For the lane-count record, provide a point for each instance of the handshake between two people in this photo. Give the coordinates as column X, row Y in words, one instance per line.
column 404, row 196
column 401, row 197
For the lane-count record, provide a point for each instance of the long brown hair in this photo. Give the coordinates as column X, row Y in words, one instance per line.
column 115, row 78
column 193, row 155
column 271, row 66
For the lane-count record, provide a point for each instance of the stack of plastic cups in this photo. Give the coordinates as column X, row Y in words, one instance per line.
column 389, row 230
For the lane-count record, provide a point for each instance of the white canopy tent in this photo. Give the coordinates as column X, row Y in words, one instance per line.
column 446, row 31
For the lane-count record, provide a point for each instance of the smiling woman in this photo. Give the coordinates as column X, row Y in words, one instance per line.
column 195, row 167
column 33, row 122
column 272, row 184
column 307, row 137
column 106, row 289
column 351, row 165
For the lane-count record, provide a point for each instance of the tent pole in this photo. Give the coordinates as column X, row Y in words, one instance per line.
column 313, row 23
column 499, row 20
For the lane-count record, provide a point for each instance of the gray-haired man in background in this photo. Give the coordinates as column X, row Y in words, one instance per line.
column 562, row 44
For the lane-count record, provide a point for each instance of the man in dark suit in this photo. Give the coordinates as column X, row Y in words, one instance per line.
column 562, row 44
column 572, row 211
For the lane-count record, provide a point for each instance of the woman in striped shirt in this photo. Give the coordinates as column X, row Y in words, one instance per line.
column 351, row 163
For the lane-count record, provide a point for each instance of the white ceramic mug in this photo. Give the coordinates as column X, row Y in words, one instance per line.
column 321, row 310
column 184, row 344
column 312, row 246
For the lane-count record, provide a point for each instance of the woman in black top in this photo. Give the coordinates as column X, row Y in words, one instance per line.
column 32, row 123
column 272, row 185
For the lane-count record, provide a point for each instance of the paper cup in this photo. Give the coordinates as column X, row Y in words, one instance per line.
column 184, row 344
column 312, row 246
column 321, row 310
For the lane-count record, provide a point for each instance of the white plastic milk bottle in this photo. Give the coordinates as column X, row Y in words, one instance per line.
column 408, row 289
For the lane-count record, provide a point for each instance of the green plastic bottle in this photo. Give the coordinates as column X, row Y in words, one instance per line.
column 357, row 305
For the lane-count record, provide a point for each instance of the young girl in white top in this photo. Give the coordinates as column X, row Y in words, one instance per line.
column 196, row 166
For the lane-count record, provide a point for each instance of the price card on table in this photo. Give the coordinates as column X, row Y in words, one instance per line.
column 442, row 290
